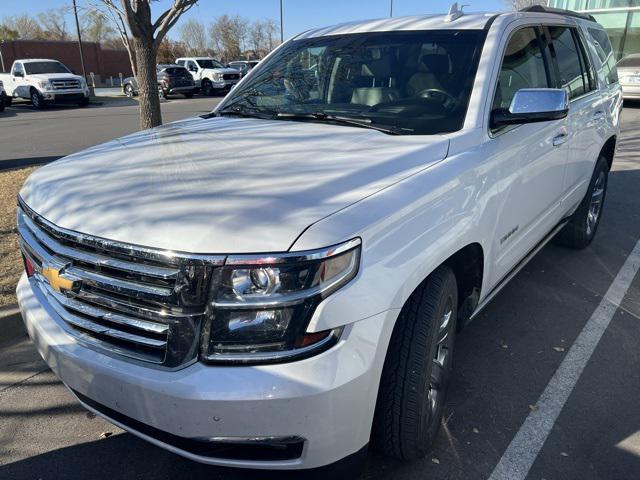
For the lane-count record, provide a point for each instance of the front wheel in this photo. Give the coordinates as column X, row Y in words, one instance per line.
column 84, row 102
column 128, row 91
column 36, row 99
column 579, row 232
column 207, row 88
column 8, row 100
column 417, row 369
column 3, row 102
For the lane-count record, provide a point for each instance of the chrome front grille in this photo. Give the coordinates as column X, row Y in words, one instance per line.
column 65, row 84
column 230, row 76
column 138, row 302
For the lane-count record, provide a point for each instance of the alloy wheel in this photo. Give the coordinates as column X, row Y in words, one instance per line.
column 595, row 206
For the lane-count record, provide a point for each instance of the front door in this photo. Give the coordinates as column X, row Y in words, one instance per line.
column 532, row 157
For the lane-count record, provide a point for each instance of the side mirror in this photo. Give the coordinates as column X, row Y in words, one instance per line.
column 18, row 74
column 531, row 105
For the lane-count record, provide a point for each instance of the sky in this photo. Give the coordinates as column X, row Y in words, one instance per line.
column 299, row 15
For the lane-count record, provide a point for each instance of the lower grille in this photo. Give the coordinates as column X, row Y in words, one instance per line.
column 126, row 300
column 253, row 449
column 230, row 76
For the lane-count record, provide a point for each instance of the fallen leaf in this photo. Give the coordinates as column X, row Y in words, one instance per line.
column 475, row 430
column 504, row 345
column 533, row 408
column 564, row 454
column 559, row 349
column 435, row 460
column 106, row 434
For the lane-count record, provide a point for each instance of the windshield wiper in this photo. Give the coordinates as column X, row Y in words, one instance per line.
column 325, row 117
column 243, row 110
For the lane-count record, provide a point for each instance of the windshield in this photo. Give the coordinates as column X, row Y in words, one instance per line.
column 415, row 82
column 209, row 63
column 34, row 68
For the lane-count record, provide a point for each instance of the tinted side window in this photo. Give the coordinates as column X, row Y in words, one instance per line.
column 523, row 66
column 17, row 68
column 572, row 73
column 603, row 49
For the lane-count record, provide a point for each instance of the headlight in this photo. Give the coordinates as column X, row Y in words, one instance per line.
column 83, row 83
column 44, row 84
column 217, row 77
column 263, row 304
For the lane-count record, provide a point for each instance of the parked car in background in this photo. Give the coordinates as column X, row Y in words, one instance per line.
column 44, row 81
column 243, row 66
column 173, row 79
column 3, row 97
column 629, row 75
column 279, row 284
column 209, row 74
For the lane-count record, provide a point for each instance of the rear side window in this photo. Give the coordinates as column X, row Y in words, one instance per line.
column 573, row 66
column 602, row 48
column 523, row 66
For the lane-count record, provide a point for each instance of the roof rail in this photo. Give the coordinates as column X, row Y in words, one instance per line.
column 558, row 11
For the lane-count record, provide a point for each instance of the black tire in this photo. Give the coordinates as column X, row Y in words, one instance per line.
column 417, row 369
column 583, row 224
column 84, row 102
column 36, row 99
column 8, row 101
column 3, row 102
column 128, row 91
column 207, row 88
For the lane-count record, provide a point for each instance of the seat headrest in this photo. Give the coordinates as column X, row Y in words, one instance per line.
column 435, row 63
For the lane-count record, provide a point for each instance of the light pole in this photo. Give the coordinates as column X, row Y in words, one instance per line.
column 281, row 25
column 75, row 11
column 390, row 8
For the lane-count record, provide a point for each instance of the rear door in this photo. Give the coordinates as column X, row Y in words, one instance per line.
column 573, row 71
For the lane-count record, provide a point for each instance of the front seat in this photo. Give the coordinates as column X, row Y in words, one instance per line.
column 432, row 73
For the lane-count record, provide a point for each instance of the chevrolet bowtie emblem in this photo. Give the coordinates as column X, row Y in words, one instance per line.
column 58, row 280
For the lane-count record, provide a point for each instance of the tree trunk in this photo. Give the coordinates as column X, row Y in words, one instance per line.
column 150, row 115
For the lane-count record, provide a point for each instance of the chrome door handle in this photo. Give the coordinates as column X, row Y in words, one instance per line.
column 560, row 139
column 599, row 115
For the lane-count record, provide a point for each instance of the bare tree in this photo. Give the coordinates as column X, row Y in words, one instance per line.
column 54, row 23
column 142, row 38
column 262, row 37
column 96, row 26
column 7, row 33
column 520, row 4
column 228, row 35
column 193, row 35
column 27, row 27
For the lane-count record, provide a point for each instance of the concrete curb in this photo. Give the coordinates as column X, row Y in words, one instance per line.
column 11, row 325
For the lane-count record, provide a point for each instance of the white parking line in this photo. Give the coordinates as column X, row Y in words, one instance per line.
column 525, row 446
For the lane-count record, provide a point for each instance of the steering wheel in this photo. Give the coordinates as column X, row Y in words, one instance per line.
column 447, row 98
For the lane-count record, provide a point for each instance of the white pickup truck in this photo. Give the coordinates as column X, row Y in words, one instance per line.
column 209, row 74
column 44, row 81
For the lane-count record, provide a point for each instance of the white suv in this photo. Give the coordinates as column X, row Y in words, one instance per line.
column 279, row 284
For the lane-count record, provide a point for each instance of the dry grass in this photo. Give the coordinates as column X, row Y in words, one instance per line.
column 10, row 259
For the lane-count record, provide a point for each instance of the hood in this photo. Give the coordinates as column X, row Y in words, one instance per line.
column 223, row 185
column 55, row 76
column 222, row 70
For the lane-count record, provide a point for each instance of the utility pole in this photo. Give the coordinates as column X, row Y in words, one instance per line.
column 281, row 25
column 75, row 11
column 390, row 8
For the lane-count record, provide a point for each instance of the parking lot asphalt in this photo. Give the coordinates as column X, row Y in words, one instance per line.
column 31, row 137
column 504, row 361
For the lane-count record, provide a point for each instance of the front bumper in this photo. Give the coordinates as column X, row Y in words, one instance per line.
column 70, row 95
column 182, row 89
column 327, row 400
column 224, row 84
